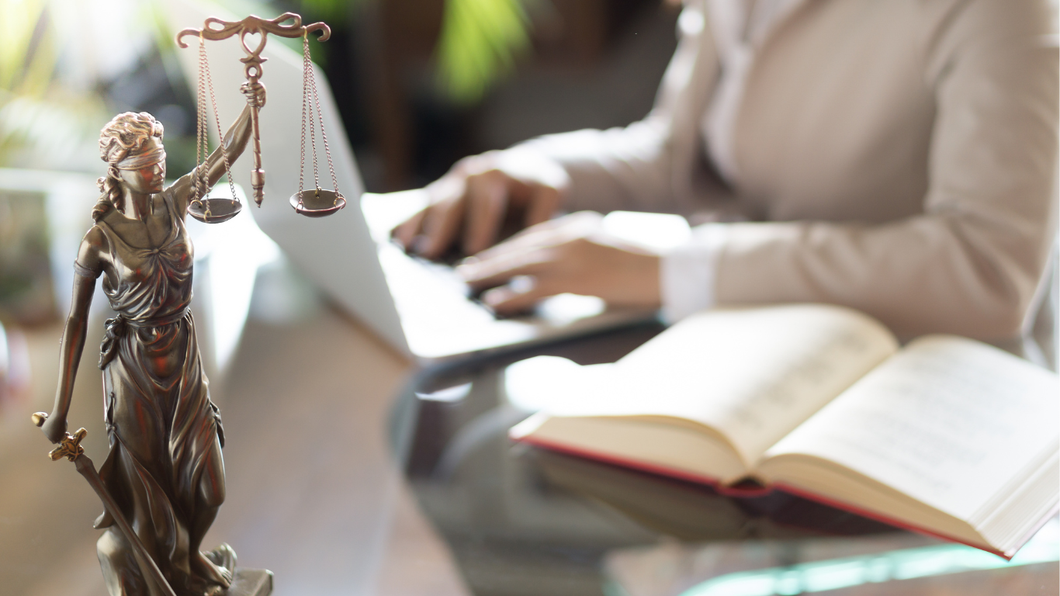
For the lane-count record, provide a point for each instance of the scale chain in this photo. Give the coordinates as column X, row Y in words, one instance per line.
column 217, row 121
column 306, row 69
column 312, row 130
column 323, row 133
column 200, row 115
column 202, row 134
column 305, row 106
column 311, row 99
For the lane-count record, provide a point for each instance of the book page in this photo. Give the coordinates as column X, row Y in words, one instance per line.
column 752, row 374
column 951, row 422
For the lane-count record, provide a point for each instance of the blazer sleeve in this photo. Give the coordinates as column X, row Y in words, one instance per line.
column 971, row 263
column 647, row 165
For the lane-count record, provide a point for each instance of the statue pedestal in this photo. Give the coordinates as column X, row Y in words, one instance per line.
column 251, row 582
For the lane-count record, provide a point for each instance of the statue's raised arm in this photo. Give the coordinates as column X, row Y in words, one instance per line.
column 187, row 188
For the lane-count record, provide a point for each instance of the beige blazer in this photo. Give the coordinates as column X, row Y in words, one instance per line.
column 894, row 156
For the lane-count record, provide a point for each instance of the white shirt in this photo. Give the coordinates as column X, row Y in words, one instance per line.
column 739, row 28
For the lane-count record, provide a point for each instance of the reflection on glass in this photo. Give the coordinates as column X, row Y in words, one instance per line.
column 808, row 578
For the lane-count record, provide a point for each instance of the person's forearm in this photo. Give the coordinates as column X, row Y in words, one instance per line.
column 941, row 273
column 607, row 170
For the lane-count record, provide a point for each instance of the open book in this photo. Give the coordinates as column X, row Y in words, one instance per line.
column 947, row 436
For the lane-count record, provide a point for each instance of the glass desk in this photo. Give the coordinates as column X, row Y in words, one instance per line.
column 524, row 521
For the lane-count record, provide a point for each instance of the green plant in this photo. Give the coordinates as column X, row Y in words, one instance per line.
column 478, row 43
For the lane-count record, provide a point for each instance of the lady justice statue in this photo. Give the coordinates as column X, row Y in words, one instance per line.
column 164, row 470
column 163, row 479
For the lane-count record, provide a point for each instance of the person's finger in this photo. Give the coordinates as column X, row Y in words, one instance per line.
column 526, row 240
column 494, row 272
column 486, row 204
column 515, row 298
column 544, row 202
column 405, row 233
column 547, row 234
column 440, row 194
column 440, row 229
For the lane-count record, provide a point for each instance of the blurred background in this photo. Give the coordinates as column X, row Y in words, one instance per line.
column 419, row 84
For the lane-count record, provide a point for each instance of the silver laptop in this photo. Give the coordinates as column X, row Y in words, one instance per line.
column 419, row 308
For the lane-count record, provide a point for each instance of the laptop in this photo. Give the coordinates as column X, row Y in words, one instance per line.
column 419, row 308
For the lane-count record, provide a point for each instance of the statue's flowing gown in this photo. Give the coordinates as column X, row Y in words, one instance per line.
column 165, row 433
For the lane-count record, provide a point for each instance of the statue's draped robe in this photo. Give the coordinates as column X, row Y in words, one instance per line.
column 165, row 433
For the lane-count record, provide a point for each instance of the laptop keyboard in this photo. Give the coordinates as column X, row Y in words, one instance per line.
column 446, row 273
column 435, row 284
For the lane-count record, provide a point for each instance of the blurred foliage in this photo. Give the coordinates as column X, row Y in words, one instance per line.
column 478, row 43
column 43, row 124
column 27, row 54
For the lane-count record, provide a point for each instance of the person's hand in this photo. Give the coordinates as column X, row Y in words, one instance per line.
column 569, row 254
column 480, row 199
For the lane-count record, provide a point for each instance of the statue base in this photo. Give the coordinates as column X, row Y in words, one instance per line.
column 250, row 582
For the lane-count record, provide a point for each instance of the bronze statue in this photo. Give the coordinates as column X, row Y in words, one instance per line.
column 164, row 470
column 164, row 480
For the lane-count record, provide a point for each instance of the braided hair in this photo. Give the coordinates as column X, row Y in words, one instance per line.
column 125, row 134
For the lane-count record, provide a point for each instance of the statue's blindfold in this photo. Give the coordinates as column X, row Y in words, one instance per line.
column 142, row 160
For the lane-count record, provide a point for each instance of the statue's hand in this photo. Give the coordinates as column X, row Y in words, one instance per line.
column 255, row 94
column 54, row 428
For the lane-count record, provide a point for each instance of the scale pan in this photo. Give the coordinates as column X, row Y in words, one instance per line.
column 215, row 210
column 311, row 203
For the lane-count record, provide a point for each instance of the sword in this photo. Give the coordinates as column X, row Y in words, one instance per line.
column 70, row 448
